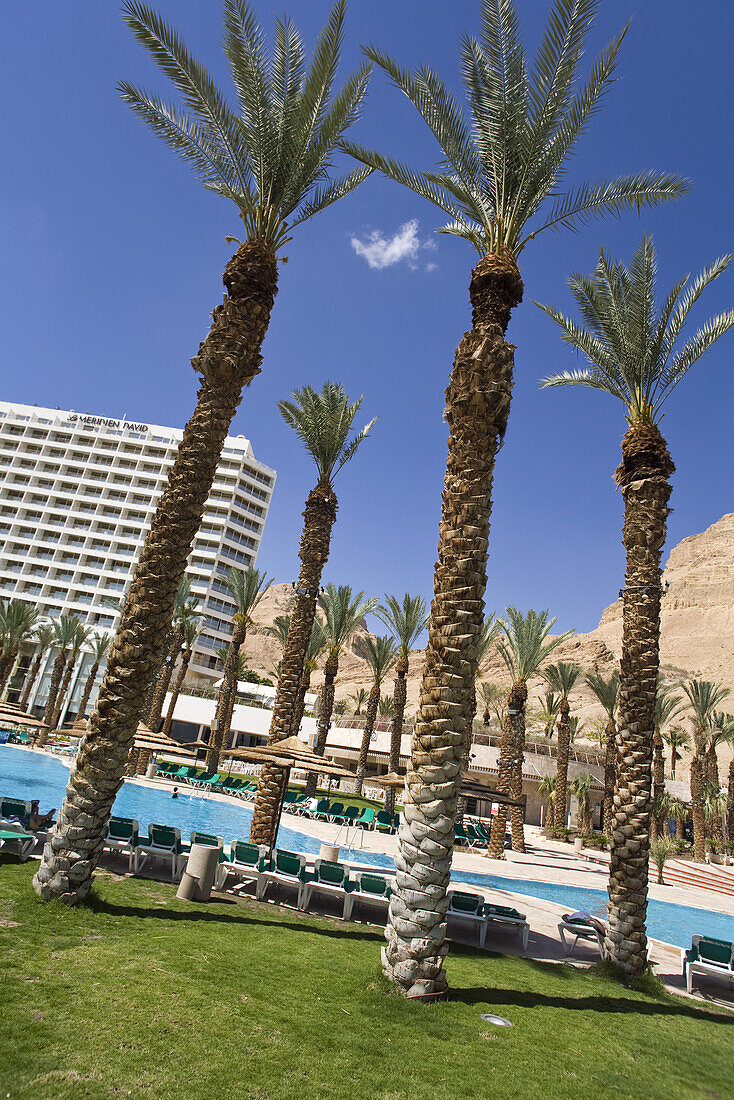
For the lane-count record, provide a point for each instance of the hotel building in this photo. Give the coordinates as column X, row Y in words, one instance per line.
column 77, row 497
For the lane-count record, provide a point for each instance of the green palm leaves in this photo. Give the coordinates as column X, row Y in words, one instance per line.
column 406, row 620
column 323, row 422
column 271, row 154
column 343, row 613
column 633, row 349
column 380, row 653
column 505, row 162
column 248, row 586
column 525, row 645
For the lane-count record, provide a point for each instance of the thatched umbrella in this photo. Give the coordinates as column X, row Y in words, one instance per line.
column 392, row 779
column 289, row 753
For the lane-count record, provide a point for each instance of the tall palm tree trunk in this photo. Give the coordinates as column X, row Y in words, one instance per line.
column 228, row 360
column 319, row 517
column 477, row 408
column 697, row 811
column 517, row 817
column 7, row 663
column 178, row 684
column 643, row 477
column 373, row 703
column 609, row 776
column 562, row 752
column 658, row 785
column 63, row 689
column 712, row 768
column 466, row 759
column 57, row 673
column 511, row 733
column 30, row 681
column 171, row 651
column 300, row 705
column 400, row 695
column 730, row 804
column 89, row 684
column 227, row 696
column 323, row 724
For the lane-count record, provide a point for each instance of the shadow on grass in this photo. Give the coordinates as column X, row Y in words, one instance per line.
column 602, row 1003
column 244, row 917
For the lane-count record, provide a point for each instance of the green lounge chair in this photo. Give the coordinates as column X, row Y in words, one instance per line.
column 322, row 810
column 163, row 842
column 121, row 835
column 468, row 907
column 336, row 811
column 582, row 926
column 207, row 780
column 287, row 868
column 475, row 840
column 366, row 819
column 14, row 807
column 708, row 956
column 351, row 814
column 327, row 878
column 19, row 737
column 366, row 886
column 505, row 917
column 13, row 838
column 384, row 822
column 246, row 862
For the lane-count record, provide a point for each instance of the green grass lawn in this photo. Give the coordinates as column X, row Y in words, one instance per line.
column 137, row 994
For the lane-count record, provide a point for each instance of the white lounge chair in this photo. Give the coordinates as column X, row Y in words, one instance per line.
column 582, row 926
column 288, row 868
column 469, row 907
column 164, row 842
column 505, row 917
column 14, row 838
column 246, row 862
column 327, row 878
column 366, row 886
column 121, row 835
column 714, row 958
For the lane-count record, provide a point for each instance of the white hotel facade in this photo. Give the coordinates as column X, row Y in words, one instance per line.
column 77, row 497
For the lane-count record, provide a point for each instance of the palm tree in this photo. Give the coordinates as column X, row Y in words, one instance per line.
column 191, row 631
column 386, row 708
column 81, row 638
column 500, row 181
column 714, row 808
column 676, row 738
column 316, row 647
column 18, row 623
column 730, row 804
column 562, row 678
column 524, row 649
column 381, row 654
column 247, row 588
column 722, row 733
column 358, row 700
column 323, row 421
column 65, row 630
column 575, row 727
column 184, row 607
column 100, row 643
column 661, row 850
column 44, row 636
column 634, row 356
column 548, row 712
column 271, row 156
column 279, row 629
column 547, row 790
column 679, row 813
column 704, row 696
column 406, row 621
column 607, row 692
column 494, row 700
column 667, row 707
column 486, row 644
column 581, row 787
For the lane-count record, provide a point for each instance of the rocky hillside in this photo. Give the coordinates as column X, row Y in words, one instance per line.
column 697, row 627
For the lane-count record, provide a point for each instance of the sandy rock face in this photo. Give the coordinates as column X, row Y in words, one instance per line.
column 697, row 637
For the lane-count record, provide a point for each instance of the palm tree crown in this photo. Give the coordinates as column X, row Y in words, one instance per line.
column 605, row 690
column 632, row 347
column 323, row 422
column 563, row 677
column 380, row 653
column 407, row 621
column 271, row 155
column 248, row 586
column 704, row 697
column 524, row 647
column 342, row 614
column 501, row 166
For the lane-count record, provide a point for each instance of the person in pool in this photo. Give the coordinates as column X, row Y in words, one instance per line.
column 175, row 793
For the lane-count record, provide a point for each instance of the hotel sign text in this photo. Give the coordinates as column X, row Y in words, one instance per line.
column 104, row 422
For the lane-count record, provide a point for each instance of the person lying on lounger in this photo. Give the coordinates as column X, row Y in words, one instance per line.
column 38, row 820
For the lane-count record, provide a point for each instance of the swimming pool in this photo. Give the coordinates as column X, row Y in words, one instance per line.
column 25, row 775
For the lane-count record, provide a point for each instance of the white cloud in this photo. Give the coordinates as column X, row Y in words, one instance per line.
column 381, row 252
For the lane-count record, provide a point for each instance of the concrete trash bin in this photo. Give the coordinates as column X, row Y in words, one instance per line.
column 198, row 878
column 330, row 852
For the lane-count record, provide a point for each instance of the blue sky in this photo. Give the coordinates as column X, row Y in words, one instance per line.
column 112, row 258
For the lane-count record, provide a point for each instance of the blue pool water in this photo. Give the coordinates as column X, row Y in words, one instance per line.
column 25, row 775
